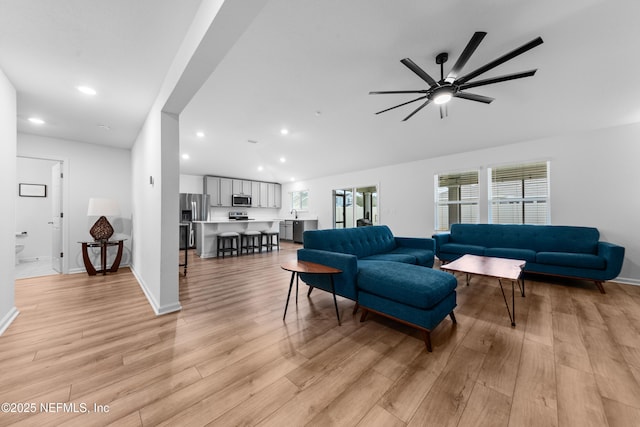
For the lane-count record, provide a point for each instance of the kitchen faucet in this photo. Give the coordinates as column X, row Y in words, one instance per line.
column 295, row 212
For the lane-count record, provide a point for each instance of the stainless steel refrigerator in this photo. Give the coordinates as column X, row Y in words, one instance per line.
column 193, row 207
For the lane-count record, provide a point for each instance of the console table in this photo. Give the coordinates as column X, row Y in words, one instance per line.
column 103, row 245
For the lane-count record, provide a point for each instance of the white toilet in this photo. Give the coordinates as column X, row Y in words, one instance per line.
column 20, row 239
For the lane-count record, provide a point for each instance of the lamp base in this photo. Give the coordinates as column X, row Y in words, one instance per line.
column 101, row 230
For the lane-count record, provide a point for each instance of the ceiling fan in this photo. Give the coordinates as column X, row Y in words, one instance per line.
column 452, row 86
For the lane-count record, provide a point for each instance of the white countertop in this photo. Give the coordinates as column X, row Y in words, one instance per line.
column 236, row 221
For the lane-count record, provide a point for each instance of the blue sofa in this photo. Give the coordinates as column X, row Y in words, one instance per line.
column 384, row 274
column 343, row 248
column 566, row 251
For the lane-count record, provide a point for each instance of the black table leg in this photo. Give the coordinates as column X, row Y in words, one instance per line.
column 335, row 302
column 293, row 274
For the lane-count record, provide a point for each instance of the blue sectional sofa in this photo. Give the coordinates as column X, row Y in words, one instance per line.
column 343, row 248
column 384, row 274
column 566, row 251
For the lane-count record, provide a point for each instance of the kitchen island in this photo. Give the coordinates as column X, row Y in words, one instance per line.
column 207, row 232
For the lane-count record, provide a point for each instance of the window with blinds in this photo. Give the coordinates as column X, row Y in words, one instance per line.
column 456, row 201
column 300, row 200
column 519, row 194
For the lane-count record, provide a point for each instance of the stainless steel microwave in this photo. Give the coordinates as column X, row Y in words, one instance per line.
column 241, row 200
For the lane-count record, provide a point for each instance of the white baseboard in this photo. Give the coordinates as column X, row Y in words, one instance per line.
column 157, row 308
column 627, row 281
column 8, row 319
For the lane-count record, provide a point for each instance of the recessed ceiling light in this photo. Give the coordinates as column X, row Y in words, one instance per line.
column 282, row 160
column 185, row 156
column 200, row 134
column 284, row 131
column 86, row 90
column 292, row 179
column 36, row 121
column 260, row 168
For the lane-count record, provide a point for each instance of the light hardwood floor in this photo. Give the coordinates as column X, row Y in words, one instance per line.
column 228, row 359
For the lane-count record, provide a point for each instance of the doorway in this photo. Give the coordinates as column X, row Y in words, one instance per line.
column 355, row 207
column 39, row 218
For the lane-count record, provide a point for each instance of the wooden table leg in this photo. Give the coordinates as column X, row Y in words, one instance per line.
column 91, row 271
column 116, row 262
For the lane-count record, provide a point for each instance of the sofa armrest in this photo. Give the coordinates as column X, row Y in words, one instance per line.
column 345, row 282
column 440, row 239
column 415, row 242
column 614, row 255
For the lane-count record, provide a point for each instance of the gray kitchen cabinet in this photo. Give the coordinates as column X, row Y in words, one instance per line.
column 278, row 196
column 264, row 195
column 212, row 188
column 286, row 230
column 221, row 191
column 226, row 191
column 255, row 194
column 274, row 195
column 241, row 186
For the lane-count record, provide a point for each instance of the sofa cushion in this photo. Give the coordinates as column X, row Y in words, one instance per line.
column 511, row 253
column 460, row 248
column 567, row 259
column 361, row 242
column 412, row 285
column 423, row 256
column 390, row 256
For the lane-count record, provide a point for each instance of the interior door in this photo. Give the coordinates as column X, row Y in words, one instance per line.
column 56, row 215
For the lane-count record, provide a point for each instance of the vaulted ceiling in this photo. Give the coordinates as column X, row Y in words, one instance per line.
column 308, row 66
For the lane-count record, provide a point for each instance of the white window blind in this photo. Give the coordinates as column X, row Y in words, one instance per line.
column 519, row 194
column 456, row 201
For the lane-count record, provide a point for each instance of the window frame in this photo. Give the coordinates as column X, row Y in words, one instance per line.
column 462, row 178
column 523, row 172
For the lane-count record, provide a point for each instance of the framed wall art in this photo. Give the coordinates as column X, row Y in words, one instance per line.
column 32, row 190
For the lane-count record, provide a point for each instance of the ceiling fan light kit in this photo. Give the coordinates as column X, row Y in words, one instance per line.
column 451, row 86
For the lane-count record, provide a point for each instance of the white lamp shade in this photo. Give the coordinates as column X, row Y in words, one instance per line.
column 103, row 207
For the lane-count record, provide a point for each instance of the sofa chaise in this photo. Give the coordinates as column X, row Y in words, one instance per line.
column 384, row 274
column 566, row 251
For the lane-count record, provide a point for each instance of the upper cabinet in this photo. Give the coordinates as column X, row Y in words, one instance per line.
column 241, row 186
column 263, row 194
column 212, row 188
column 255, row 194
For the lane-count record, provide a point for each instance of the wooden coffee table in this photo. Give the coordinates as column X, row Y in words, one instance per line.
column 297, row 267
column 499, row 268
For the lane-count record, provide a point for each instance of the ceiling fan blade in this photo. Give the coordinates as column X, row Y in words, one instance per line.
column 498, row 79
column 400, row 105
column 419, row 71
column 465, row 55
column 416, row 110
column 473, row 97
column 504, row 58
column 397, row 91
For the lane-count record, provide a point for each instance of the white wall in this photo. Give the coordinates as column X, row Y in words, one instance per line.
column 216, row 27
column 90, row 171
column 8, row 132
column 33, row 214
column 192, row 184
column 594, row 178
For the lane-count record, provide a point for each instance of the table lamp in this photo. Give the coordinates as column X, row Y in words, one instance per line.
column 102, row 229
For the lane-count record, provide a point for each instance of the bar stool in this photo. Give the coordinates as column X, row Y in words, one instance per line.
column 270, row 243
column 250, row 239
column 225, row 243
